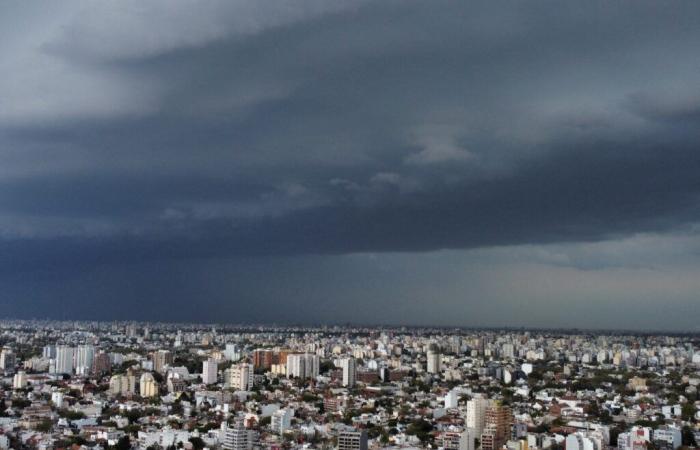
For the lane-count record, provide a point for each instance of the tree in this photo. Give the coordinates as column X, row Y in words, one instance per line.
column 421, row 429
column 688, row 437
column 384, row 439
column 78, row 440
column 71, row 415
column 614, row 433
column 308, row 397
column 123, row 443
column 688, row 411
column 326, row 366
column 176, row 408
column 45, row 426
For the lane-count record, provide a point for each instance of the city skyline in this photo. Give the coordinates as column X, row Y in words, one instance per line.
column 158, row 386
column 530, row 165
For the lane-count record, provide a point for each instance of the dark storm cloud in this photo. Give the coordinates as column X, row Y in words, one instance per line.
column 578, row 195
column 376, row 127
column 254, row 131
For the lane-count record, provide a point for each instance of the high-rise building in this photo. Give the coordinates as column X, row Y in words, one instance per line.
column 476, row 414
column 238, row 437
column 434, row 360
column 467, row 440
column 668, row 437
column 161, row 360
column 352, row 440
column 240, row 376
column 282, row 356
column 451, row 399
column 148, row 386
column 64, row 359
column 122, row 384
column 20, row 380
column 57, row 399
column 591, row 439
column 295, row 365
column 49, row 352
column 449, row 440
column 636, row 439
column 281, row 420
column 497, row 427
column 385, row 374
column 115, row 385
column 508, row 350
column 302, row 365
column 84, row 357
column 7, row 360
column 209, row 371
column 101, row 364
column 207, row 339
column 579, row 441
column 349, row 371
column 232, row 353
column 262, row 359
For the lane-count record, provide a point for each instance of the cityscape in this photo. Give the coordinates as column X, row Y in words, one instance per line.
column 349, row 225
column 165, row 385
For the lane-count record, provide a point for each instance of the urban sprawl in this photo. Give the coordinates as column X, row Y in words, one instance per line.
column 109, row 385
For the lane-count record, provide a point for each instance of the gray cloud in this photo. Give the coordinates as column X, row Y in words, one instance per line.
column 241, row 130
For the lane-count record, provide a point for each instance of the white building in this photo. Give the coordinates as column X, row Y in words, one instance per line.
column 164, row 438
column 467, row 440
column 20, row 380
column 281, row 420
column 668, row 437
column 434, row 361
column 507, row 376
column 508, row 350
column 303, row 365
column 8, row 359
column 349, row 371
column 64, row 359
column 476, row 414
column 49, row 352
column 209, row 371
column 580, row 441
column 636, row 439
column 451, row 399
column 602, row 356
column 671, row 411
column 84, row 357
column 237, row 437
column 232, row 353
column 57, row 399
column 696, row 358
column 240, row 377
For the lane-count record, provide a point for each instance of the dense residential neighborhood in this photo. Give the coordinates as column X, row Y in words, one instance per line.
column 103, row 385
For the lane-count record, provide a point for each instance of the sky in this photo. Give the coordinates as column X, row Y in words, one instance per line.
column 487, row 163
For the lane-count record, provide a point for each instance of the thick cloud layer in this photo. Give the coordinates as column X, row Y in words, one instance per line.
column 181, row 131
